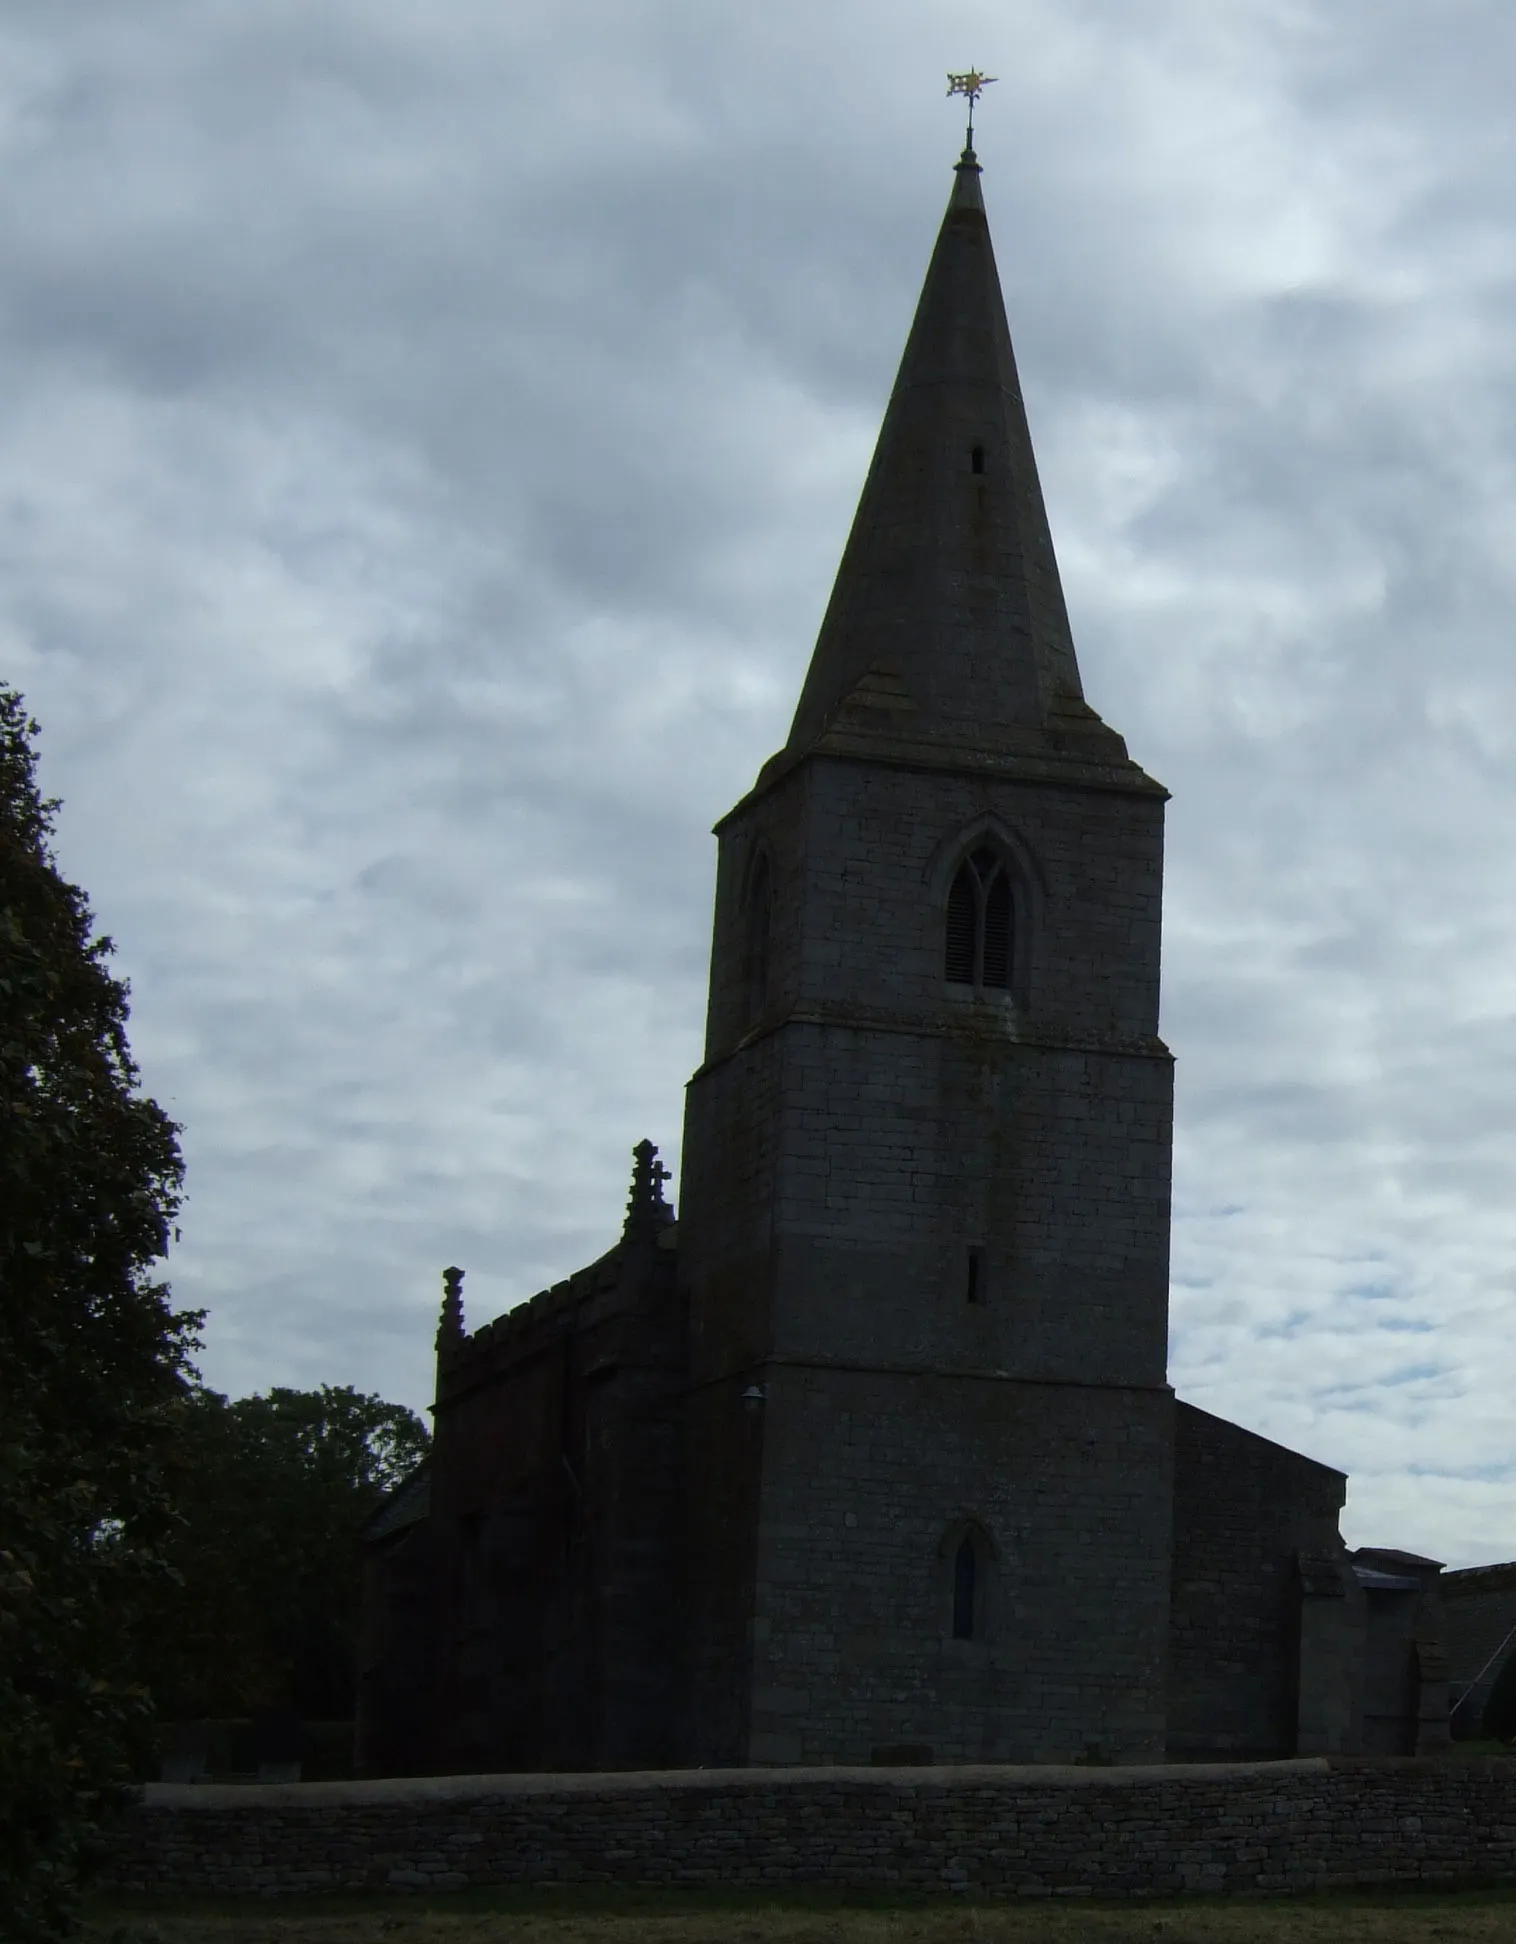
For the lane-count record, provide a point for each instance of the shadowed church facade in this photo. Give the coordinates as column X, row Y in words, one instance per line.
column 871, row 1455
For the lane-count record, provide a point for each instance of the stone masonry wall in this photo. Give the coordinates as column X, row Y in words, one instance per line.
column 849, row 1152
column 1058, row 1483
column 1034, row 1832
column 1245, row 1509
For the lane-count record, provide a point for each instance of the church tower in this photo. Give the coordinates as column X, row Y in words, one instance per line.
column 925, row 1209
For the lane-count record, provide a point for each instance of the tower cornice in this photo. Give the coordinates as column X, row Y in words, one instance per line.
column 1038, row 763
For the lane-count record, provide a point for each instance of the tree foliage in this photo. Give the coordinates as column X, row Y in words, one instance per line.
column 93, row 1360
column 273, row 1493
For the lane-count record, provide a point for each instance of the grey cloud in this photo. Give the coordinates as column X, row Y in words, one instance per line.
column 419, row 485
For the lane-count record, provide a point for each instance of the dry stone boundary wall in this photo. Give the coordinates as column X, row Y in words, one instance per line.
column 1276, row 1826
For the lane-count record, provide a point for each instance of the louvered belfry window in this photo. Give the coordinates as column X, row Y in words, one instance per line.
column 979, row 922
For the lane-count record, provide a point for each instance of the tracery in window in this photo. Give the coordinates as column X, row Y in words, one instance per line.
column 980, row 922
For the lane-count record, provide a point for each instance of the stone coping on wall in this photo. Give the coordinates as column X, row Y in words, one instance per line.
column 613, row 1782
column 998, row 1830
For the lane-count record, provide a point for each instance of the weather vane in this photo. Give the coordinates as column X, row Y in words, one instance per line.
column 972, row 84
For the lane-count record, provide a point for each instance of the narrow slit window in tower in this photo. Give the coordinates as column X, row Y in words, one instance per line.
column 974, row 1285
column 965, row 1572
column 976, row 460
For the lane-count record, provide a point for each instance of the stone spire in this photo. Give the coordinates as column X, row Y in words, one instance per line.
column 947, row 629
column 450, row 1324
column 646, row 1210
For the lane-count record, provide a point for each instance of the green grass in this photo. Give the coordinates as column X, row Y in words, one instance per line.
column 599, row 1915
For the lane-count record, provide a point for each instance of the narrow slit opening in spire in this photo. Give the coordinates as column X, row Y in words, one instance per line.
column 976, row 460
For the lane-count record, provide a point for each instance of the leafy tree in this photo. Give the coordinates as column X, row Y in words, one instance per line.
column 93, row 1361
column 268, row 1557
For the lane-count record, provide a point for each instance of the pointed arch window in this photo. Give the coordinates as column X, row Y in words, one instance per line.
column 967, row 1579
column 980, row 922
column 965, row 1589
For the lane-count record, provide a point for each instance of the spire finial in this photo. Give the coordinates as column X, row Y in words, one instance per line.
column 646, row 1210
column 972, row 84
column 450, row 1324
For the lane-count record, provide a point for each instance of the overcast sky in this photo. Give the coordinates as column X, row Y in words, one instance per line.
column 428, row 432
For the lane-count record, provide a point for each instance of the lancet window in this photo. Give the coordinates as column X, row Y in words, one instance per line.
column 968, row 1580
column 760, row 899
column 965, row 1588
column 980, row 922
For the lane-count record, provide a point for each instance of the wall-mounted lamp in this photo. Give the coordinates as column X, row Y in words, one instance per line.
column 753, row 1399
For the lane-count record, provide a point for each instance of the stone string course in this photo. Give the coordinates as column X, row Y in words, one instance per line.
column 1278, row 1826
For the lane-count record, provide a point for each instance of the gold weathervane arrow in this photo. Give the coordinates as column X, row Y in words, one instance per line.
column 972, row 85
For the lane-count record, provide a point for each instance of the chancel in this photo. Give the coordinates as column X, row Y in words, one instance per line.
column 873, row 1450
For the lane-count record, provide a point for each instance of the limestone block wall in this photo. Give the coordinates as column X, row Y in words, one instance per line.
column 927, row 1227
column 553, row 1543
column 1281, row 1826
column 1245, row 1509
column 873, row 1478
column 861, row 857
